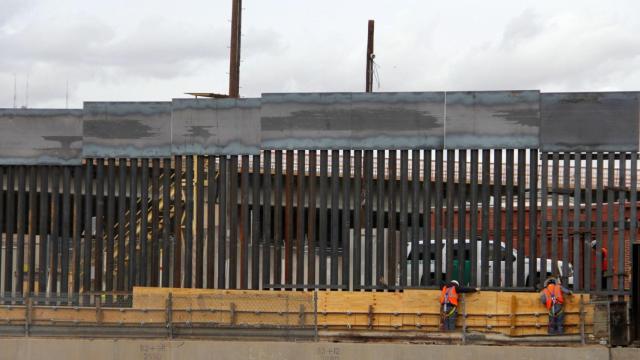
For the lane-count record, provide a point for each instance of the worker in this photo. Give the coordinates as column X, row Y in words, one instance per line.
column 552, row 297
column 449, row 304
column 605, row 264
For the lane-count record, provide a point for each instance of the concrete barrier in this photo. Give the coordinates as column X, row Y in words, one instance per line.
column 99, row 349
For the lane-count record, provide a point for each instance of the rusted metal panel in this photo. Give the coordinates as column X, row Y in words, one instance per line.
column 39, row 136
column 215, row 127
column 367, row 121
column 589, row 121
column 127, row 129
column 492, row 119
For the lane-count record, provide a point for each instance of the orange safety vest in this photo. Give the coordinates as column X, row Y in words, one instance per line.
column 553, row 295
column 449, row 295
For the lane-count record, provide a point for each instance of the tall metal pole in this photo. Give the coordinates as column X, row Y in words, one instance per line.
column 234, row 56
column 370, row 56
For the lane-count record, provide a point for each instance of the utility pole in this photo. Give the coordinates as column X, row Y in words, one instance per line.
column 15, row 89
column 370, row 57
column 234, row 56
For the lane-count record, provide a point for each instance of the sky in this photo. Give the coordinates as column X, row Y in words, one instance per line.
column 124, row 50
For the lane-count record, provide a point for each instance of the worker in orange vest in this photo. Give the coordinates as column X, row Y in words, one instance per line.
column 449, row 304
column 605, row 264
column 552, row 297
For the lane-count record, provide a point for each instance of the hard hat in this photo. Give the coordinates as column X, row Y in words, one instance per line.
column 549, row 281
column 455, row 282
column 593, row 244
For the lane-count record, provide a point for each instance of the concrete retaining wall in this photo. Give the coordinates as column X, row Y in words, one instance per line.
column 99, row 349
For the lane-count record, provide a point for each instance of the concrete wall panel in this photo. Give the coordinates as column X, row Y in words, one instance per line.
column 40, row 137
column 127, row 129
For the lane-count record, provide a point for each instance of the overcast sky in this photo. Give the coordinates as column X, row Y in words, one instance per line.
column 159, row 49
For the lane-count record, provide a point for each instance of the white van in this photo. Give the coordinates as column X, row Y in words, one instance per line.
column 504, row 256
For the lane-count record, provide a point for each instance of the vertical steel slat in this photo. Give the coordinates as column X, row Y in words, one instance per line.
column 199, row 221
column 633, row 199
column 99, row 240
column 88, row 221
column 610, row 221
column 497, row 217
column 244, row 222
column 2, row 219
column 620, row 271
column 450, row 198
column 66, row 217
column 438, row 218
column 233, row 222
column 288, row 219
column 256, row 233
column 404, row 174
column 346, row 216
column 392, row 228
column 222, row 222
column 178, row 274
column 544, row 202
column 133, row 221
column 599, row 200
column 111, row 205
column 473, row 221
column 20, row 228
column 33, row 226
column 54, row 251
column 486, row 179
column 415, row 217
column 10, row 226
column 588, row 236
column 555, row 187
column 577, row 229
column 508, row 235
column 267, row 223
column 533, row 222
column 335, row 214
column 21, row 209
column 43, row 231
column 522, row 166
column 277, row 219
column 322, row 233
column 300, row 194
column 77, row 220
column 311, row 222
column 155, row 222
column 368, row 216
column 188, row 226
column 166, row 223
column 122, row 222
column 462, row 214
column 357, row 219
column 212, row 195
column 144, row 212
column 426, row 239
column 566, row 185
column 380, row 218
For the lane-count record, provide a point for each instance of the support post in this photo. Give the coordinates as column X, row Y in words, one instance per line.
column 370, row 57
column 169, row 315
column 234, row 56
